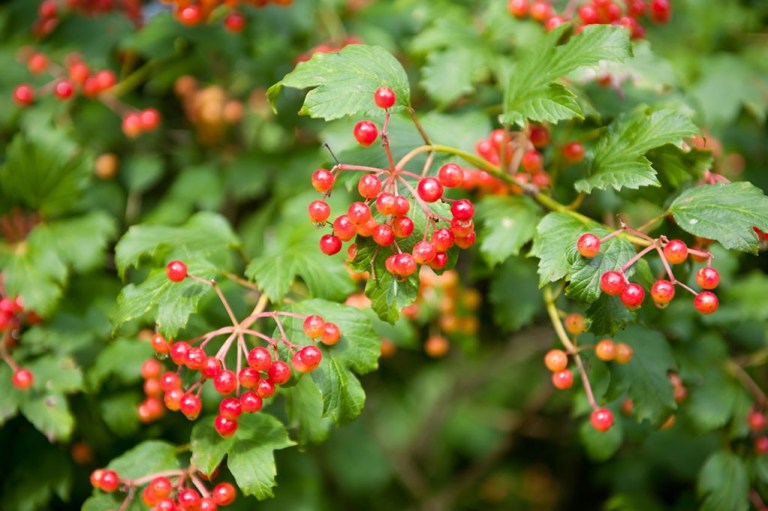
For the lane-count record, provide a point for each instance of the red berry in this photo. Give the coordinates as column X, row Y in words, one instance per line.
column 172, row 399
column 633, row 295
column 279, row 372
column 150, row 119
column 322, row 180
column 423, row 252
column 151, row 368
column 624, row 353
column 359, row 213
column 343, row 228
column 190, row 406
column 190, row 15
column 662, row 292
column 109, row 481
column 23, row 94
column 170, row 381
column 430, row 189
column 330, row 244
column 132, row 125
column 365, row 133
column 661, row 11
column 556, row 360
column 331, row 334
column 386, row 203
column 402, row 226
column 48, row 9
column 464, row 242
column 532, row 161
column 312, row 356
column 761, row 444
column 518, row 8
column 211, row 367
column 225, row 382
column 757, row 421
column 176, row 271
column 265, row 388
column 225, row 426
column 259, row 358
column 588, row 245
column 573, row 152
column 605, row 350
column 706, row 302
column 313, row 326
column 223, row 494
column 450, row 175
column 105, row 80
column 601, row 419
column 319, row 211
column 462, row 209
column 230, row 408
column 207, row 504
column 383, row 235
column 439, row 262
column 588, row 14
column 179, row 352
column 676, row 251
column 562, row 379
column 189, row 499
column 251, row 402
column 540, row 10
column 160, row 487
column 37, row 63
column 708, row 278
column 612, row 282
column 402, row 205
column 159, row 344
column 403, row 264
column 234, row 22
column 248, row 377
column 575, row 323
column 195, row 358
column 442, row 239
column 298, row 363
column 384, row 97
column 22, row 379
column 369, row 186
column 539, row 136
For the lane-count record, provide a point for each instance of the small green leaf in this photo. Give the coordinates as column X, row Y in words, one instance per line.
column 81, row 241
column 710, row 404
column 585, row 273
column 508, row 223
column 619, row 158
column 50, row 415
column 169, row 303
column 251, row 458
column 723, row 212
column 389, row 294
column 118, row 410
column 723, row 483
column 57, row 374
column 121, row 360
column 204, row 234
column 208, row 446
column 607, row 315
column 555, row 238
column 343, row 82
column 146, row 458
column 533, row 94
column 645, row 377
column 304, row 406
column 450, row 74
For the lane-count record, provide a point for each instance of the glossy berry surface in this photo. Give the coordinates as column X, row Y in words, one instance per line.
column 330, row 244
column 662, row 292
column 706, row 302
column 676, row 251
column 556, row 360
column 588, row 245
column 223, row 494
column 632, row 296
column 624, row 353
column 384, row 97
column 612, row 283
column 601, row 419
column 605, row 350
column 23, row 94
column 562, row 379
column 22, row 379
column 573, row 152
column 708, row 278
column 322, row 180
column 430, row 189
column 575, row 323
column 366, row 133
column 176, row 271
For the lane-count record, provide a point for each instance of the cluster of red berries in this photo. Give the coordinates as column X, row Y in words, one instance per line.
column 250, row 384
column 595, row 12
column 151, row 409
column 328, row 47
column 758, row 423
column 194, row 12
column 50, row 11
column 520, row 155
column 672, row 252
column 168, row 491
column 389, row 222
column 12, row 315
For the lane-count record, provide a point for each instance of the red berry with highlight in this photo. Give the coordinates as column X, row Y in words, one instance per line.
column 676, row 251
column 612, row 282
column 562, row 379
column 556, row 360
column 633, row 295
column 706, row 302
column 365, row 133
column 462, row 209
column 601, row 419
column 383, row 235
column 109, row 481
column 223, row 494
column 190, row 406
column 402, row 226
column 251, row 402
column 224, row 426
column 423, row 252
column 322, row 180
column 384, row 97
column 708, row 278
column 63, row 89
column 369, row 186
column 588, row 245
column 319, row 211
column 450, row 175
column 176, row 271
column 23, row 94
column 331, row 334
column 225, row 382
column 22, row 379
column 279, row 372
column 662, row 292
column 573, row 152
column 330, row 244
column 430, row 189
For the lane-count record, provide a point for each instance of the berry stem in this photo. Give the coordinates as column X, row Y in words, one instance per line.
column 358, row 168
column 570, row 346
column 637, row 257
column 220, row 294
column 222, row 353
column 746, row 380
column 418, row 125
column 385, row 141
column 4, row 353
column 428, row 212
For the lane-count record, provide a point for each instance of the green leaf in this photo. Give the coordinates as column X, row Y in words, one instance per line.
column 204, row 234
column 645, row 377
column 723, row 483
column 677, row 167
column 169, row 303
column 607, row 315
column 42, row 172
column 512, row 293
column 121, row 361
column 450, row 74
column 118, row 411
column 389, row 294
column 57, row 374
column 80, row 242
column 619, row 158
column 723, row 212
column 532, row 92
column 601, row 445
column 508, row 223
column 251, row 458
column 710, row 404
column 50, row 415
column 343, row 395
column 343, row 82
column 11, row 396
column 146, row 458
column 556, row 235
column 304, row 406
column 585, row 273
column 208, row 446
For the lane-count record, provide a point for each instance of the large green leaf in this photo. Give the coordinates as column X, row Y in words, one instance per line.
column 450, row 74
column 619, row 158
column 80, row 241
column 607, row 315
column 304, row 406
column 533, row 92
column 146, row 458
column 555, row 238
column 343, row 82
column 723, row 483
column 508, row 224
column 204, row 234
column 723, row 212
column 50, row 415
column 646, row 377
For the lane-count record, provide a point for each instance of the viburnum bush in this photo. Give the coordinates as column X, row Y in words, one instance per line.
column 421, row 254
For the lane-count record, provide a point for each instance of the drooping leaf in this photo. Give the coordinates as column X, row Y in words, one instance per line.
column 204, row 234
column 533, row 92
column 508, row 224
column 723, row 212
column 645, row 377
column 619, row 158
column 304, row 406
column 723, row 483
column 208, row 446
column 146, row 458
column 556, row 235
column 170, row 303
column 343, row 82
